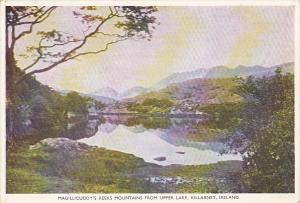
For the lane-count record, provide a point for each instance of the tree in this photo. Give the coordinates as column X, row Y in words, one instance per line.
column 76, row 103
column 268, row 123
column 56, row 47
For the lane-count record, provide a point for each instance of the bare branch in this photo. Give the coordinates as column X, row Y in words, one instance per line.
column 39, row 19
column 41, row 47
column 96, row 52
column 111, row 35
column 136, row 25
column 69, row 53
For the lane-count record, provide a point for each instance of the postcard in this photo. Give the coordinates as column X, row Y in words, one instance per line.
column 151, row 101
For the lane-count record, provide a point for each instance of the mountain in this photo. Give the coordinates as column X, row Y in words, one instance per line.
column 199, row 90
column 193, row 85
column 244, row 71
column 218, row 72
column 111, row 95
column 215, row 87
column 180, row 77
column 104, row 100
column 222, row 72
column 132, row 92
column 107, row 92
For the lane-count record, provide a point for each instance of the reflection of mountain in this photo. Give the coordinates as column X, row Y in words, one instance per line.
column 173, row 131
column 177, row 135
column 137, row 129
column 182, row 141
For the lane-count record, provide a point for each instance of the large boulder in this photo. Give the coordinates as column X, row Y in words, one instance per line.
column 62, row 145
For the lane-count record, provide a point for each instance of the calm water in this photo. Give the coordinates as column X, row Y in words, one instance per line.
column 161, row 141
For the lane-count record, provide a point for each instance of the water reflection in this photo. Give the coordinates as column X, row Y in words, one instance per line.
column 162, row 141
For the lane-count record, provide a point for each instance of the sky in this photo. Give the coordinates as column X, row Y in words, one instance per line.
column 188, row 38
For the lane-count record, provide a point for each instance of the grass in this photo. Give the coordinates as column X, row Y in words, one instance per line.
column 199, row 177
column 23, row 171
column 205, row 178
column 105, row 171
column 96, row 171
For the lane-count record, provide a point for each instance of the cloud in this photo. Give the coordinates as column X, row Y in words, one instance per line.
column 244, row 50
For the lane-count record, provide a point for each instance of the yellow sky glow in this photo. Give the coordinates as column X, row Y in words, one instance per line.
column 188, row 38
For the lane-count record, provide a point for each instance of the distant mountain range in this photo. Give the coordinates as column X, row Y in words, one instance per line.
column 132, row 92
column 222, row 72
column 109, row 95
column 106, row 92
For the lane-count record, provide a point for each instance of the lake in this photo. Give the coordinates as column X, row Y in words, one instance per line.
column 163, row 141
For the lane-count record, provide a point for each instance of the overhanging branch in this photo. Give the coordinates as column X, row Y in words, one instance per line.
column 98, row 51
column 39, row 19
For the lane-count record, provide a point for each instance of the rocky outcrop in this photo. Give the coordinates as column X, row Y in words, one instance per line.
column 62, row 145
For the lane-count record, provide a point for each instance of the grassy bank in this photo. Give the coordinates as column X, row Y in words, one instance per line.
column 97, row 170
column 212, row 178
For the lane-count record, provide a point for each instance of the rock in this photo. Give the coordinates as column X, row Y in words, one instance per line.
column 180, row 152
column 160, row 158
column 167, row 180
column 62, row 145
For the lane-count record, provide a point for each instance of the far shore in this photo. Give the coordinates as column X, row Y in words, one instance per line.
column 168, row 115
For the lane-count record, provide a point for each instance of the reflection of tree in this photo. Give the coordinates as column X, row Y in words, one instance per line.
column 149, row 122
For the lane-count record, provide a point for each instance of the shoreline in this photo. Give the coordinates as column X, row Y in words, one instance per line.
column 167, row 115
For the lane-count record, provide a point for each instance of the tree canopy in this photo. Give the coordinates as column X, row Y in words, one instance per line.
column 268, row 123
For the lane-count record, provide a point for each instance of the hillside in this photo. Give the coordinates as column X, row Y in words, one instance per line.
column 204, row 91
column 203, row 86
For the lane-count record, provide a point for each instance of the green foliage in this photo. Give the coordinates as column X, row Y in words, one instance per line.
column 162, row 103
column 224, row 115
column 23, row 171
column 57, row 116
column 75, row 103
column 46, row 110
column 152, row 105
column 203, row 184
column 149, row 122
column 221, row 90
column 39, row 171
column 268, row 122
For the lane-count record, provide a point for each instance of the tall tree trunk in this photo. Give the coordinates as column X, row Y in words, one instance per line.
column 10, row 96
